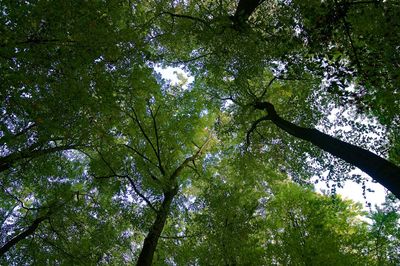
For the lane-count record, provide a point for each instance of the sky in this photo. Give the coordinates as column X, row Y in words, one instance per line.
column 351, row 190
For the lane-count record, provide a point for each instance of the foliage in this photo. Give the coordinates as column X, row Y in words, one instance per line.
column 100, row 156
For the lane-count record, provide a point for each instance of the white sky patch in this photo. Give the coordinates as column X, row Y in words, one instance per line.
column 352, row 190
column 175, row 76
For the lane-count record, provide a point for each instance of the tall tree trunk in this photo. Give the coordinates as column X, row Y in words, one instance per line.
column 381, row 170
column 150, row 242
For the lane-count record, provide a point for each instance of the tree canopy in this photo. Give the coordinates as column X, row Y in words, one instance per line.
column 104, row 161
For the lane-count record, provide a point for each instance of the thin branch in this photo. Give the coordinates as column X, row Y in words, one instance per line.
column 253, row 127
column 194, row 168
column 45, row 240
column 140, row 154
column 22, row 132
column 375, row 2
column 152, row 176
column 130, row 181
column 194, row 143
column 269, row 85
column 7, row 161
column 106, row 162
column 347, row 30
column 189, row 159
column 33, row 41
column 230, row 98
column 18, row 199
column 153, row 117
column 136, row 119
column 140, row 194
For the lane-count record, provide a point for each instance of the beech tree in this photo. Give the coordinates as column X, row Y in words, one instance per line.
column 104, row 161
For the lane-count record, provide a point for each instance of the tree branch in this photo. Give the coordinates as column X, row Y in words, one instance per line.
column 140, row 194
column 380, row 169
column 181, row 237
column 22, row 132
column 21, row 236
column 187, row 160
column 136, row 120
column 140, row 154
column 7, row 161
column 153, row 117
column 269, row 85
column 253, row 127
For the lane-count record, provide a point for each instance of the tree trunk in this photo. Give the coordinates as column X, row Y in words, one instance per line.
column 150, row 242
column 381, row 170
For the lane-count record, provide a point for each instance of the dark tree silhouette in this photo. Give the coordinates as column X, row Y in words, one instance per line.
column 381, row 170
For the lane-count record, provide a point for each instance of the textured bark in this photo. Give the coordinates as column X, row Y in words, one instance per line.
column 29, row 231
column 381, row 170
column 151, row 240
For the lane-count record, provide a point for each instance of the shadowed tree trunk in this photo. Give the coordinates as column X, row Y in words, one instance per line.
column 151, row 240
column 381, row 170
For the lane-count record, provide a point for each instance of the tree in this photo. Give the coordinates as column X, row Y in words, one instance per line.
column 380, row 169
column 95, row 145
column 243, row 64
column 384, row 233
column 309, row 229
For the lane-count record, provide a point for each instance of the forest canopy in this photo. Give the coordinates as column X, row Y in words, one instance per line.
column 104, row 161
